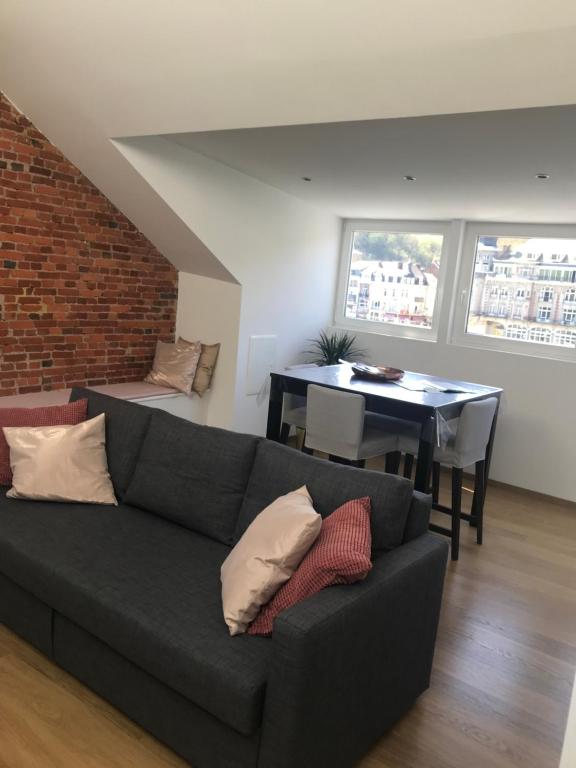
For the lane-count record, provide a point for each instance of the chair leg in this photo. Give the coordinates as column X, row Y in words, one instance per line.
column 284, row 432
column 478, row 499
column 435, row 482
column 393, row 462
column 456, row 510
column 408, row 465
column 360, row 463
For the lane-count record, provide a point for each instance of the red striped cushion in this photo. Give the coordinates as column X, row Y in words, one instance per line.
column 49, row 416
column 340, row 555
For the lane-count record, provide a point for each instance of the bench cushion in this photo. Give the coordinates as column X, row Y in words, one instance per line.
column 278, row 470
column 126, row 425
column 147, row 588
column 193, row 475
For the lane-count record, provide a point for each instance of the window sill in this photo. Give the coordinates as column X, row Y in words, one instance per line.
column 374, row 329
column 522, row 349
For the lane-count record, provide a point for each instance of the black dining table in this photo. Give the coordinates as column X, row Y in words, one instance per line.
column 413, row 399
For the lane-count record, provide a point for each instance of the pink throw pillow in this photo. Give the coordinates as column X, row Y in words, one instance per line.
column 340, row 555
column 49, row 416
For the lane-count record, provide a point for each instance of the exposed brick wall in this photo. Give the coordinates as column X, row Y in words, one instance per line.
column 83, row 295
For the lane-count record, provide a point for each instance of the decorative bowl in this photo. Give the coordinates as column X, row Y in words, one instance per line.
column 377, row 372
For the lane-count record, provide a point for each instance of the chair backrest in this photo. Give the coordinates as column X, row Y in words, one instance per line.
column 474, row 428
column 296, row 401
column 334, row 421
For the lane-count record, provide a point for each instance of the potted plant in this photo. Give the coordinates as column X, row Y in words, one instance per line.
column 331, row 347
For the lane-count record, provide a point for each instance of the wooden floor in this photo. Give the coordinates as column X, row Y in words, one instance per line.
column 500, row 690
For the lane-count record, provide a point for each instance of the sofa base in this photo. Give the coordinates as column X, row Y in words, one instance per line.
column 24, row 614
column 190, row 731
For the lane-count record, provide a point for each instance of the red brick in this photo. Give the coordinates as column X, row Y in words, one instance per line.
column 88, row 296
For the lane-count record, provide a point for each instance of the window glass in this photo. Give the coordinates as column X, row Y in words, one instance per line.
column 393, row 277
column 524, row 289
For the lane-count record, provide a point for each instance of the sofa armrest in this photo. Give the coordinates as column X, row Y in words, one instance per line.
column 349, row 661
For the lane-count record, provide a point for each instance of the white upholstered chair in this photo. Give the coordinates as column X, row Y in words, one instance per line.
column 336, row 424
column 466, row 448
column 293, row 408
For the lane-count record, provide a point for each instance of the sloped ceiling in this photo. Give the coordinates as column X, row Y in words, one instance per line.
column 477, row 165
column 86, row 72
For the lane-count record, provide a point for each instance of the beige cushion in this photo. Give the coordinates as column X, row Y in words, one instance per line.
column 206, row 365
column 175, row 365
column 62, row 463
column 266, row 556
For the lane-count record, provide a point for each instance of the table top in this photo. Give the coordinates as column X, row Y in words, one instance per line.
column 342, row 377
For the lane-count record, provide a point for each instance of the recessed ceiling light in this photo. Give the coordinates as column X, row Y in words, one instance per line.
column 409, row 178
column 542, row 176
column 306, row 178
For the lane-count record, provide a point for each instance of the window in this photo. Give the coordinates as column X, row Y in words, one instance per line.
column 541, row 335
column 553, row 275
column 516, row 332
column 517, row 290
column 398, row 266
column 565, row 338
column 544, row 314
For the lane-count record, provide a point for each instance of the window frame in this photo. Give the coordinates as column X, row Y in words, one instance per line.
column 458, row 334
column 384, row 328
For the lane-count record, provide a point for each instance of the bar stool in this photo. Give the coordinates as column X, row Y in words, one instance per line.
column 336, row 425
column 466, row 448
column 293, row 408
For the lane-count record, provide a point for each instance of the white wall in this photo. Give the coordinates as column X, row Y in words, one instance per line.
column 209, row 311
column 281, row 251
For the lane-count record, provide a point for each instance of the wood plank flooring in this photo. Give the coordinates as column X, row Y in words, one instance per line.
column 501, row 685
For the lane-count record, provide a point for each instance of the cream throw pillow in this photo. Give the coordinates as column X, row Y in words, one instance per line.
column 266, row 556
column 62, row 463
column 206, row 365
column 175, row 365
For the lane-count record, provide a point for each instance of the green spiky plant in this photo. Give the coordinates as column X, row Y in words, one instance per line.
column 330, row 347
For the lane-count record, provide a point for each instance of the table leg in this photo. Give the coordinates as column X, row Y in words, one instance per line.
column 274, row 425
column 425, row 455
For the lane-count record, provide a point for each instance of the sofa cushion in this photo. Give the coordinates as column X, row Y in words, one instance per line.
column 126, row 425
column 147, row 588
column 193, row 475
column 418, row 516
column 69, row 413
column 279, row 469
column 340, row 555
column 61, row 463
column 266, row 556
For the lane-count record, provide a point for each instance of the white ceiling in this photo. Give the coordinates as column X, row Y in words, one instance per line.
column 131, row 67
column 86, row 72
column 479, row 166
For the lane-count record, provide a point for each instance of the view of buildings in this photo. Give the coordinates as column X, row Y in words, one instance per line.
column 525, row 289
column 393, row 278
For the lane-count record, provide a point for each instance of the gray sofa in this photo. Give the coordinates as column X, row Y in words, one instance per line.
column 127, row 599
